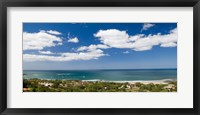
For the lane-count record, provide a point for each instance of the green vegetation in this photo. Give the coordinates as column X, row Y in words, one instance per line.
column 37, row 85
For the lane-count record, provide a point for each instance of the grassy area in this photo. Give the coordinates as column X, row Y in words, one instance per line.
column 38, row 85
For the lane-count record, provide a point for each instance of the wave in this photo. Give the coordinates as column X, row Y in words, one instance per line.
column 64, row 74
column 93, row 80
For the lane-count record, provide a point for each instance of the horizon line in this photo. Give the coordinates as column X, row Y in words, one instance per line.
column 104, row 69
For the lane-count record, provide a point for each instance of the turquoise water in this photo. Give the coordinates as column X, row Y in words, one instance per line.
column 107, row 75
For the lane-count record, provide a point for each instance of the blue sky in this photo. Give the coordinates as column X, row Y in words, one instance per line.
column 62, row 46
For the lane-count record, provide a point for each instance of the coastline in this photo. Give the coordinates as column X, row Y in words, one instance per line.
column 163, row 81
column 106, row 75
column 39, row 85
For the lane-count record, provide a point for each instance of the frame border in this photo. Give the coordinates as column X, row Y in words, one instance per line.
column 99, row 3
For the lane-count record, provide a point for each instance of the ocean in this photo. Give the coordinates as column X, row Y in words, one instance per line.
column 105, row 75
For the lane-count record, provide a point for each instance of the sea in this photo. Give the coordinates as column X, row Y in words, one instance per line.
column 104, row 75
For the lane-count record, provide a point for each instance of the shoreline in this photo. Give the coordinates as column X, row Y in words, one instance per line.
column 63, row 85
column 163, row 81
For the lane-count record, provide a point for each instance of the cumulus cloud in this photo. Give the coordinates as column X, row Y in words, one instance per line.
column 147, row 26
column 121, row 39
column 60, row 43
column 73, row 40
column 94, row 54
column 46, row 52
column 53, row 32
column 110, row 38
column 93, row 47
column 126, row 52
column 37, row 41
column 171, row 44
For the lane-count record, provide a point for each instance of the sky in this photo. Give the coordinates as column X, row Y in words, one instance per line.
column 76, row 46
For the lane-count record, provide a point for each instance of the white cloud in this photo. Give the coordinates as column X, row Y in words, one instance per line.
column 60, row 43
column 126, row 52
column 46, row 52
column 37, row 41
column 147, row 26
column 114, row 38
column 171, row 44
column 121, row 39
column 73, row 40
column 53, row 32
column 95, row 54
column 93, row 47
column 111, row 38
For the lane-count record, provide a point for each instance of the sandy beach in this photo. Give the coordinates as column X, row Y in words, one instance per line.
column 164, row 81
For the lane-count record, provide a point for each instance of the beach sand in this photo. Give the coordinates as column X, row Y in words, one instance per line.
column 152, row 81
column 164, row 81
